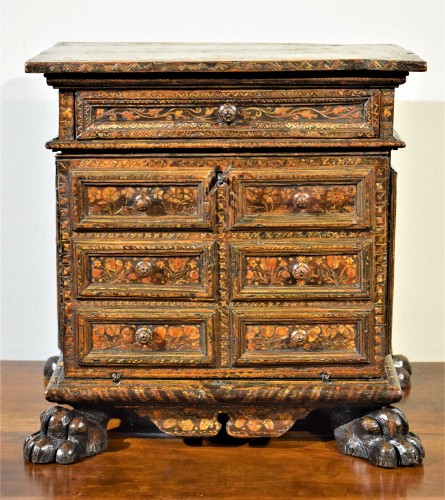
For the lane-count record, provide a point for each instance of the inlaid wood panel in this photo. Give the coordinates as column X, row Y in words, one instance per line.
column 285, row 193
column 145, row 336
column 302, row 336
column 143, row 193
column 119, row 268
column 293, row 269
column 139, row 114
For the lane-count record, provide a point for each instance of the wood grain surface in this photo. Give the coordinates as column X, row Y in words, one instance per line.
column 136, row 57
column 299, row 464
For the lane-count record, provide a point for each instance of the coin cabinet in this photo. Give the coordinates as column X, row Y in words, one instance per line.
column 225, row 243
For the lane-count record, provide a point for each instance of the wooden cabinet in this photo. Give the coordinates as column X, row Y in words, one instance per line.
column 225, row 239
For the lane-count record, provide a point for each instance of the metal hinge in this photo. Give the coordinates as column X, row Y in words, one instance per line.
column 326, row 378
column 220, row 179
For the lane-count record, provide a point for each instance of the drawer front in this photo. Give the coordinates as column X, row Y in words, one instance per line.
column 129, row 197
column 145, row 337
column 164, row 269
column 295, row 269
column 318, row 113
column 284, row 336
column 284, row 193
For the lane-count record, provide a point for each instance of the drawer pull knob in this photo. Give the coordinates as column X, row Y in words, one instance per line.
column 143, row 269
column 227, row 113
column 142, row 202
column 298, row 337
column 301, row 200
column 143, row 335
column 300, row 271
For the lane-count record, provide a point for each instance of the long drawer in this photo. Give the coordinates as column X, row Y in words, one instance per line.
column 227, row 113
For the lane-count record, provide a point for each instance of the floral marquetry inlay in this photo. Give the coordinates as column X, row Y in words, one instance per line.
column 151, row 270
column 301, row 270
column 112, row 336
column 304, row 337
column 137, row 201
column 134, row 114
column 301, row 199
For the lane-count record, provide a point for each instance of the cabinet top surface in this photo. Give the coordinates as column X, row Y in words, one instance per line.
column 103, row 57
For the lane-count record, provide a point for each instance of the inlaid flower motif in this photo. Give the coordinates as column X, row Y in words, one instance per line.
column 94, row 194
column 163, row 270
column 164, row 200
column 110, row 194
column 165, row 338
column 320, row 270
column 318, row 199
column 322, row 337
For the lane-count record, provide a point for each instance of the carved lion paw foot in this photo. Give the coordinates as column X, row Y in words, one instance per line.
column 403, row 370
column 66, row 436
column 382, row 437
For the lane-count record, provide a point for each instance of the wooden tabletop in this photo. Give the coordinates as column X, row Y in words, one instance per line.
column 296, row 465
column 100, row 57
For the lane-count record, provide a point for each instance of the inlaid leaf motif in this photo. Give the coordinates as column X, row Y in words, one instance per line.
column 320, row 199
column 302, row 337
column 322, row 270
column 106, row 337
column 141, row 113
column 163, row 270
column 321, row 113
column 157, row 200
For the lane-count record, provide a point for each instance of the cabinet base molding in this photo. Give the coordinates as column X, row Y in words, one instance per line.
column 67, row 436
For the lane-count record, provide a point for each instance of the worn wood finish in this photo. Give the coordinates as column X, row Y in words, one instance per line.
column 159, row 466
column 196, row 280
column 87, row 57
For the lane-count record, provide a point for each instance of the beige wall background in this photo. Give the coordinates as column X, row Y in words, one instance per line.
column 29, row 110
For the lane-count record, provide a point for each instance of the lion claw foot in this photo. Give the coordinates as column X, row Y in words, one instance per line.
column 383, row 437
column 403, row 370
column 67, row 436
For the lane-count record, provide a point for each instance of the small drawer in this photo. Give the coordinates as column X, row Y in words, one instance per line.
column 291, row 336
column 176, row 336
column 301, row 269
column 301, row 193
column 142, row 194
column 155, row 269
column 227, row 113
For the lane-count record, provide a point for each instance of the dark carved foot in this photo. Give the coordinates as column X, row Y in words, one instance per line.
column 49, row 368
column 403, row 370
column 67, row 436
column 383, row 437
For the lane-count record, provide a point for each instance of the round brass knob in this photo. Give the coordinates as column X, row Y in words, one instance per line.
column 143, row 269
column 143, row 335
column 300, row 271
column 227, row 113
column 301, row 200
column 142, row 202
column 298, row 337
